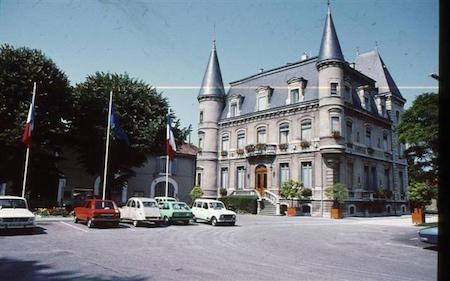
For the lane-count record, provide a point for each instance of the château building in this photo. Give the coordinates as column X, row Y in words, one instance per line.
column 320, row 120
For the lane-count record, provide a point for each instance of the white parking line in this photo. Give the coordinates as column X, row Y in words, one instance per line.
column 73, row 226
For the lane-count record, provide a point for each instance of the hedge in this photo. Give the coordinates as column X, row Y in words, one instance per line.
column 241, row 203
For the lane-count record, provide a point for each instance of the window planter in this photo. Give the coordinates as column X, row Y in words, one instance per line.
column 336, row 134
column 261, row 147
column 224, row 153
column 305, row 144
column 283, row 146
column 250, row 148
column 240, row 151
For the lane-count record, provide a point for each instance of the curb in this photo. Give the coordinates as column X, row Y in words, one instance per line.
column 52, row 219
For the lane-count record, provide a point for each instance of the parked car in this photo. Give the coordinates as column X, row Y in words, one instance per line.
column 141, row 210
column 175, row 212
column 212, row 211
column 96, row 212
column 14, row 213
column 429, row 234
column 161, row 199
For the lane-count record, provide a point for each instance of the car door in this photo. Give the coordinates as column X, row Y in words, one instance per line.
column 132, row 210
column 85, row 210
column 205, row 211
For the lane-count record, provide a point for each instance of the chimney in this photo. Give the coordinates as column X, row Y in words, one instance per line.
column 304, row 56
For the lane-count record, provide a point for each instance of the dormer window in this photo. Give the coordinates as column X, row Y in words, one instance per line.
column 383, row 110
column 234, row 105
column 263, row 95
column 334, row 89
column 366, row 103
column 233, row 110
column 296, row 88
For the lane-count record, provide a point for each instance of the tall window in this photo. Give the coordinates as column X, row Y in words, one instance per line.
column 201, row 137
column 262, row 103
column 385, row 142
column 400, row 175
column 225, row 142
column 201, row 116
column 284, row 133
column 305, row 130
column 233, row 110
column 366, row 103
column 387, row 179
column 295, row 95
column 374, row 178
column 241, row 140
column 357, row 136
column 261, row 135
column 335, row 124
column 240, row 177
column 224, row 178
column 284, row 173
column 333, row 89
column 306, row 174
column 199, row 179
column 366, row 178
column 350, row 175
column 368, row 137
column 349, row 131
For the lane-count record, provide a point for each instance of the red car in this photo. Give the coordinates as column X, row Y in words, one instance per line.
column 96, row 211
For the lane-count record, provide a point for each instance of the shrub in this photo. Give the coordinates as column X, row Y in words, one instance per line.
column 241, row 203
column 224, row 153
column 56, row 211
column 291, row 189
column 305, row 143
column 223, row 192
column 338, row 193
column 306, row 192
column 42, row 212
column 196, row 192
column 420, row 194
column 250, row 148
column 283, row 146
column 240, row 151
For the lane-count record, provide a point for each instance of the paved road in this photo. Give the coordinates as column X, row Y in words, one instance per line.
column 258, row 248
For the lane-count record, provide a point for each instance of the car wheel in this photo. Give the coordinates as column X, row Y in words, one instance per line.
column 75, row 220
column 213, row 221
column 90, row 224
column 186, row 222
column 194, row 219
column 136, row 223
column 166, row 220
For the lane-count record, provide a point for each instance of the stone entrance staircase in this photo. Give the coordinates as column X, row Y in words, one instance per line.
column 269, row 205
column 266, row 208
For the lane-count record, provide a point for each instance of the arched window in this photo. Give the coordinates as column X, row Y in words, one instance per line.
column 261, row 135
column 284, row 133
column 225, row 142
column 305, row 130
column 241, row 139
column 351, row 210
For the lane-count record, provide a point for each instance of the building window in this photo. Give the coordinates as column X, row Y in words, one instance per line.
column 225, row 142
column 261, row 135
column 335, row 124
column 305, row 130
column 400, row 175
column 240, row 177
column 350, row 175
column 306, row 174
column 357, row 136
column 201, row 116
column 284, row 173
column 383, row 110
column 397, row 116
column 378, row 143
column 374, row 178
column 241, row 140
column 284, row 133
column 368, row 137
column 385, row 142
column 387, row 180
column 162, row 165
column 366, row 178
column 366, row 103
column 224, row 178
column 201, row 137
column 233, row 110
column 347, row 92
column 199, row 179
column 333, row 89
column 349, row 129
column 295, row 95
column 262, row 103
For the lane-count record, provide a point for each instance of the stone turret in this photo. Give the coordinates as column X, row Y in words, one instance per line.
column 211, row 102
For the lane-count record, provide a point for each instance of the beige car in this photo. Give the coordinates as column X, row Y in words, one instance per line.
column 140, row 210
column 14, row 213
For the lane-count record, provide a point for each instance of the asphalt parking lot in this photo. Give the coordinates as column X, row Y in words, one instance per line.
column 257, row 248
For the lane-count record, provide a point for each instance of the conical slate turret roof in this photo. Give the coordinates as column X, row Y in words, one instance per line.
column 212, row 84
column 330, row 49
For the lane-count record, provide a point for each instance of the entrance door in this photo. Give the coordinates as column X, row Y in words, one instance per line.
column 261, row 179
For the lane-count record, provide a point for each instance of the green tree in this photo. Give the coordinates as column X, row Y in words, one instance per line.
column 19, row 68
column 420, row 194
column 196, row 193
column 338, row 192
column 141, row 111
column 419, row 129
column 292, row 189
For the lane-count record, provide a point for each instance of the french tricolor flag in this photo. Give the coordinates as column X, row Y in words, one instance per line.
column 170, row 141
column 26, row 137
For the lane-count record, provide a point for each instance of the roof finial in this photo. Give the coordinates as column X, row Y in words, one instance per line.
column 328, row 5
column 214, row 36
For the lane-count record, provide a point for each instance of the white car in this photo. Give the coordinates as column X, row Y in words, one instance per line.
column 212, row 211
column 14, row 213
column 141, row 210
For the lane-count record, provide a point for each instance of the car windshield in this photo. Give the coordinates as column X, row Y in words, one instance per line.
column 180, row 206
column 149, row 204
column 106, row 205
column 216, row 205
column 13, row 203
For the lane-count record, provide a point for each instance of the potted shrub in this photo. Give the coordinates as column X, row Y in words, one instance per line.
column 338, row 193
column 306, row 192
column 224, row 153
column 196, row 192
column 291, row 189
column 336, row 134
column 250, row 148
column 240, row 151
column 420, row 195
column 305, row 144
column 261, row 147
column 283, row 146
column 223, row 192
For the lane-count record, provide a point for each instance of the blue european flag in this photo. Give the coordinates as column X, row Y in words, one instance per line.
column 115, row 126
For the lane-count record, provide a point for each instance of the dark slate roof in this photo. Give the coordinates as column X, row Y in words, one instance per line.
column 212, row 84
column 277, row 79
column 372, row 65
column 330, row 49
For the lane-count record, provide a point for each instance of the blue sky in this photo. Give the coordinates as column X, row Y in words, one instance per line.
column 167, row 43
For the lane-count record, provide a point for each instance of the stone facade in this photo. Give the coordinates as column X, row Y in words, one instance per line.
column 320, row 120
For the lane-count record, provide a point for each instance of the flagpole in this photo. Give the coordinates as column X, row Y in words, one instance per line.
column 107, row 145
column 167, row 154
column 27, row 155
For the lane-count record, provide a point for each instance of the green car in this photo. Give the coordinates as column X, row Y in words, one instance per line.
column 175, row 212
